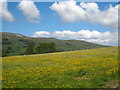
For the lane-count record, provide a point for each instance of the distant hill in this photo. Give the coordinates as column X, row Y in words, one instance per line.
column 17, row 43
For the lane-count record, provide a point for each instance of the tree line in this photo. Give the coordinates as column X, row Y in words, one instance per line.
column 32, row 48
column 41, row 48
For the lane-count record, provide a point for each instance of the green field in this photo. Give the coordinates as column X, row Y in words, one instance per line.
column 93, row 68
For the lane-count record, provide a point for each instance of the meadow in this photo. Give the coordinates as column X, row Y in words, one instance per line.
column 93, row 68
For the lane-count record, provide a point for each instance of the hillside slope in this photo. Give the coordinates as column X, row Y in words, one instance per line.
column 18, row 43
column 95, row 68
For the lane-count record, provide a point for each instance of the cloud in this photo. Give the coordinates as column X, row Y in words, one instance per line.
column 70, row 11
column 4, row 12
column 41, row 34
column 29, row 10
column 106, row 38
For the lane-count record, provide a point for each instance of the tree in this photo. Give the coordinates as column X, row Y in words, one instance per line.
column 4, row 53
column 52, row 47
column 46, row 48
column 9, row 50
column 30, row 47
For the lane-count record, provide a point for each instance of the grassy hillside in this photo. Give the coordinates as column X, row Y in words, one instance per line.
column 18, row 43
column 95, row 68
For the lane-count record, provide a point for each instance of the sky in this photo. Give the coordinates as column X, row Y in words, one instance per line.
column 92, row 22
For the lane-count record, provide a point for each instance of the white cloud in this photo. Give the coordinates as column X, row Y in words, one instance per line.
column 29, row 10
column 4, row 12
column 41, row 34
column 106, row 38
column 70, row 11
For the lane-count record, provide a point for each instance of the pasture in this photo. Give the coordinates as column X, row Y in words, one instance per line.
column 93, row 68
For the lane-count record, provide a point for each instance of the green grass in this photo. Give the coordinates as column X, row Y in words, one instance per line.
column 76, row 69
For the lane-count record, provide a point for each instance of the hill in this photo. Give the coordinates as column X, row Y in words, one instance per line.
column 94, row 68
column 17, row 43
